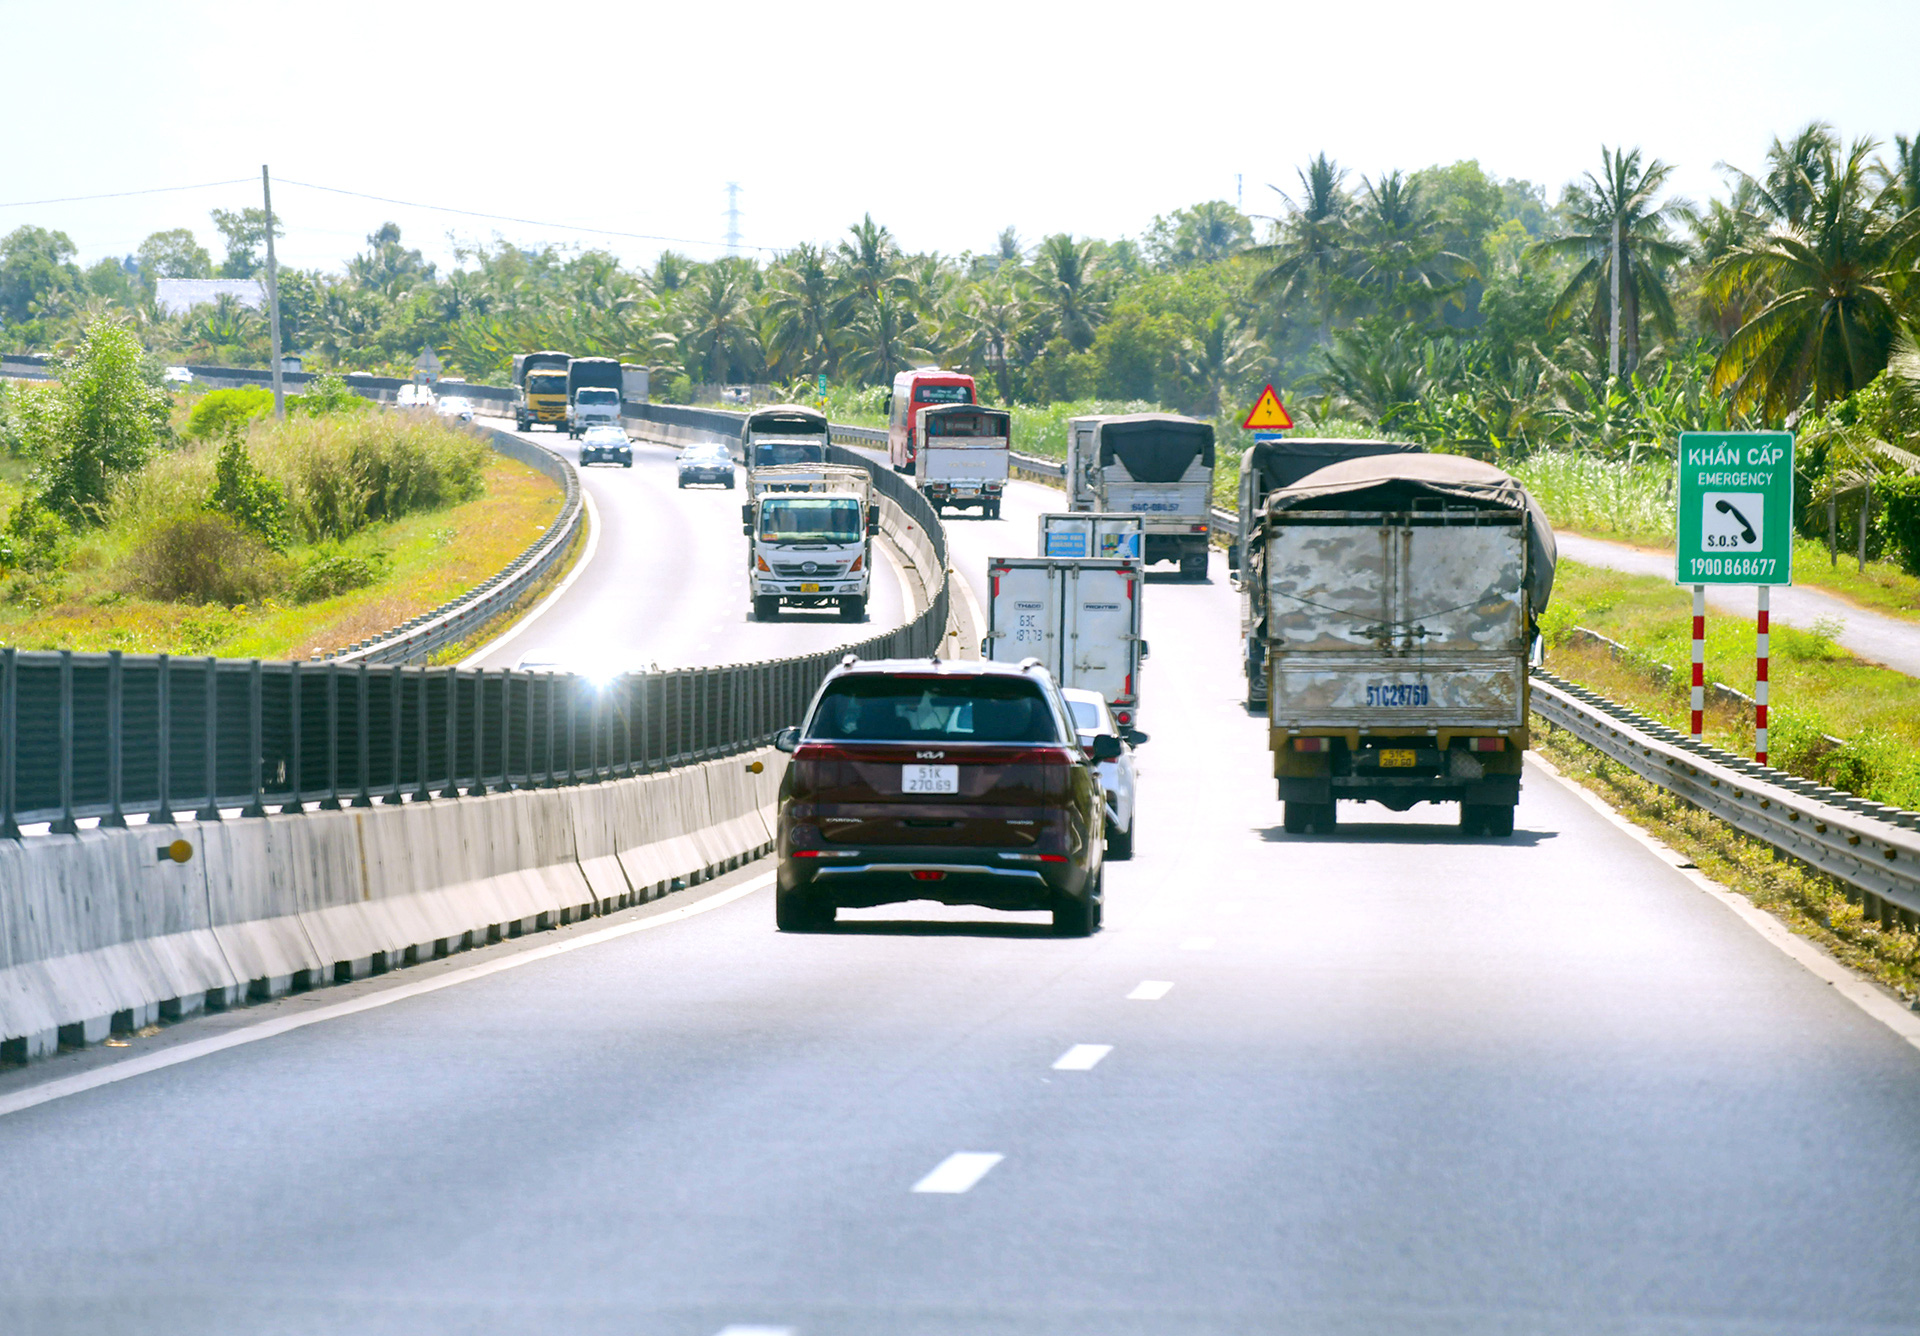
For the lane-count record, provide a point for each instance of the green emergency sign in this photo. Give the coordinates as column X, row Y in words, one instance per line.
column 1736, row 508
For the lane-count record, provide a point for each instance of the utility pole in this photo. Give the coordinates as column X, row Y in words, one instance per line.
column 733, row 217
column 273, row 299
column 1239, row 200
column 1613, row 319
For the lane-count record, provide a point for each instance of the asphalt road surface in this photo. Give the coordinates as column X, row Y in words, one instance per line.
column 667, row 584
column 1385, row 1080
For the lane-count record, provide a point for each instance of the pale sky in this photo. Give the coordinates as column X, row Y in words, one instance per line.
column 946, row 122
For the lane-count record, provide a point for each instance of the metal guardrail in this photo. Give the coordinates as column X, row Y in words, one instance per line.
column 1869, row 846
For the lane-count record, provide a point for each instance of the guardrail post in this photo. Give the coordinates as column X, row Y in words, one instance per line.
column 452, row 790
column 423, row 791
column 478, row 789
column 573, row 711
column 396, row 701
column 256, row 737
column 296, row 744
column 506, row 731
column 552, row 774
column 211, row 812
column 64, row 824
column 116, row 722
column 363, row 680
column 163, row 737
column 9, row 744
column 531, row 781
column 331, row 803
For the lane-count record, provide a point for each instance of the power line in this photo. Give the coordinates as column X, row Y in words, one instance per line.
column 507, row 218
column 124, row 194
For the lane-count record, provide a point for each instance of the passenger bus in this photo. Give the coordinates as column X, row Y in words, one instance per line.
column 914, row 390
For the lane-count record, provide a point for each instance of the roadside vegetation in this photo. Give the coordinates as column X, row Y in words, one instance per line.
column 133, row 520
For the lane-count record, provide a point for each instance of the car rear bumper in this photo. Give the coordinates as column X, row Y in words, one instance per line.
column 953, row 875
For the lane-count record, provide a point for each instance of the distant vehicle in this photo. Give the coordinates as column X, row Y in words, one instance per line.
column 1080, row 617
column 706, row 462
column 1158, row 466
column 810, row 539
column 540, row 390
column 913, row 391
column 454, row 406
column 785, row 434
column 593, row 393
column 606, row 445
column 177, row 375
column 736, row 394
column 1091, row 719
column 1389, row 604
column 411, row 395
column 959, row 781
column 960, row 456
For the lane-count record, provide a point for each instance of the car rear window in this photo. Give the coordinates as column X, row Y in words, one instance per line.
column 1086, row 715
column 872, row 708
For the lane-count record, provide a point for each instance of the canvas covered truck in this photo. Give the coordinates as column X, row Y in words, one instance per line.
column 1396, row 599
column 594, row 386
column 782, row 435
column 810, row 538
column 960, row 456
column 1158, row 466
column 540, row 390
column 1080, row 617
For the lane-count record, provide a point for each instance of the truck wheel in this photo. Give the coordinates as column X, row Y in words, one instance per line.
column 766, row 607
column 796, row 911
column 993, row 510
column 1120, row 842
column 1193, row 567
column 1495, row 819
column 853, row 609
column 1302, row 818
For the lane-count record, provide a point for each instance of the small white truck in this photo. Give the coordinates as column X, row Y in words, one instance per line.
column 1079, row 617
column 784, row 434
column 960, row 456
column 1158, row 466
column 810, row 538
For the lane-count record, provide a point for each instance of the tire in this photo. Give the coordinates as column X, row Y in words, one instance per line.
column 729, row 484
column 766, row 607
column 853, row 609
column 1120, row 842
column 683, row 484
column 1492, row 819
column 1302, row 818
column 796, row 911
column 1074, row 917
column 1193, row 568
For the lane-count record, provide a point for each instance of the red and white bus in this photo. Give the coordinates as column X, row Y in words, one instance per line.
column 914, row 390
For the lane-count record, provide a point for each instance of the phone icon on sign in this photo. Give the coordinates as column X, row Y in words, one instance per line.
column 1733, row 521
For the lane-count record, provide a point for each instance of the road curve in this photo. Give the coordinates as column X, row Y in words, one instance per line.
column 1386, row 1080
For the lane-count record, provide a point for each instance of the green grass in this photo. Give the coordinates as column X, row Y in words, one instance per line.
column 1817, row 687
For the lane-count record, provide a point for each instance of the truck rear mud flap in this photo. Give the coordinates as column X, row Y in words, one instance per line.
column 1401, row 794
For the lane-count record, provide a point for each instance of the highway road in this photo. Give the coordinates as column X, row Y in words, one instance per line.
column 1386, row 1080
column 667, row 581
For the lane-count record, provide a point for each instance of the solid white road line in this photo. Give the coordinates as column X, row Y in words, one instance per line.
column 1150, row 990
column 959, row 1171
column 1082, row 1057
column 737, row 1330
column 586, row 556
column 1197, row 944
column 200, row 1048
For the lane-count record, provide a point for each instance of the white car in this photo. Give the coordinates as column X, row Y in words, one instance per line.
column 1091, row 717
column 455, row 406
column 411, row 395
column 177, row 375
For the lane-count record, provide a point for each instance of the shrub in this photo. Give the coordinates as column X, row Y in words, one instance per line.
column 220, row 411
column 35, row 538
column 343, row 473
column 247, row 496
column 336, row 573
column 98, row 425
column 204, row 557
column 1899, row 499
column 326, row 395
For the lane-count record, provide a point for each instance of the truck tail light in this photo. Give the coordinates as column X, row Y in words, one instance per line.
column 1487, row 744
column 1199, row 528
column 1124, row 717
column 1310, row 744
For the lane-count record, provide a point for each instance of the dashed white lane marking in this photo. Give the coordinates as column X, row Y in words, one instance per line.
column 1082, row 1057
column 1197, row 944
column 959, row 1171
column 737, row 1330
column 1150, row 990
column 200, row 1048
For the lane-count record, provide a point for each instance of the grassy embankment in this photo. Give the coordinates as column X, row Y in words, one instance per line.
column 388, row 516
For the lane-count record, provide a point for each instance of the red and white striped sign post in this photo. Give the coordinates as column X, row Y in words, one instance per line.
column 1699, row 701
column 1760, row 682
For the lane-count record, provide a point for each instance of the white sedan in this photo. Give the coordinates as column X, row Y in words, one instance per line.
column 1090, row 718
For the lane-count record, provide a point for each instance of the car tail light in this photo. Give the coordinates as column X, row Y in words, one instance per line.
column 1310, row 744
column 1036, row 858
column 761, row 562
column 928, row 874
column 1487, row 744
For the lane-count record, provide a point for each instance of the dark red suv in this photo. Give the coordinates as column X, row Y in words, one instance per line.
column 961, row 782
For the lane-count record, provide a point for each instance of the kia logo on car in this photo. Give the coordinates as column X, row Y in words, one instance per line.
column 930, row 756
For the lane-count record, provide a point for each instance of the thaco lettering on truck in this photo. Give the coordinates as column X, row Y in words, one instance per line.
column 913, row 391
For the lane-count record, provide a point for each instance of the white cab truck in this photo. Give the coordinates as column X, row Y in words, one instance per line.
column 1113, row 537
column 1079, row 617
column 1395, row 599
column 960, row 456
column 1158, row 466
column 810, row 539
column 782, row 435
column 593, row 394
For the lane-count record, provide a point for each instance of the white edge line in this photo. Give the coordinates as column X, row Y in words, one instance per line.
column 960, row 1172
column 1816, row 962
column 974, row 613
column 200, row 1048
column 593, row 544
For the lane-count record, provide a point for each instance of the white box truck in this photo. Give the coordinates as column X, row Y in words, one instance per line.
column 1112, row 537
column 1158, row 466
column 960, row 456
column 810, row 539
column 1079, row 618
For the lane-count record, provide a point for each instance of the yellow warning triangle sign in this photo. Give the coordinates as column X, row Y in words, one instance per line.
column 1268, row 413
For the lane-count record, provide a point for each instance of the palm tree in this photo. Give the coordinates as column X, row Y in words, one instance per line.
column 719, row 335
column 1400, row 261
column 1615, row 214
column 798, row 322
column 1063, row 273
column 870, row 262
column 1837, row 284
column 878, row 342
column 1796, row 170
column 992, row 318
column 1224, row 355
column 1313, row 245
